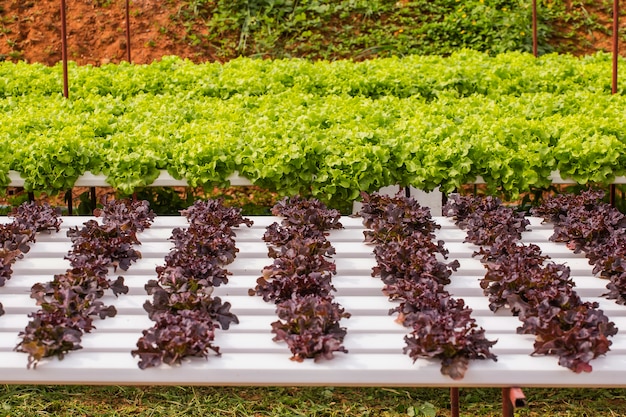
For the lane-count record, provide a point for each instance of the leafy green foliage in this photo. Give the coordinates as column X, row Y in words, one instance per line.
column 327, row 130
column 70, row 301
column 537, row 290
column 183, row 308
column 299, row 281
column 364, row 28
column 407, row 262
column 589, row 225
column 16, row 237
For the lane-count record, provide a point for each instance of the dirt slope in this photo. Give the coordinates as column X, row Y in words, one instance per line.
column 95, row 35
column 96, row 31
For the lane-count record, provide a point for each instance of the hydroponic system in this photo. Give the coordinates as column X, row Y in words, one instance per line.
column 290, row 298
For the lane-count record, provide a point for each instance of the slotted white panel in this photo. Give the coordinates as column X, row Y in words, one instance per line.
column 250, row 357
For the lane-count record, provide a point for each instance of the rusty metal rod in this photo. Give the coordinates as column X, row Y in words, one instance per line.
column 615, row 44
column 454, row 402
column 614, row 75
column 94, row 199
column 517, row 397
column 507, row 407
column 535, row 49
column 512, row 398
column 612, row 192
column 64, row 49
column 69, row 199
column 128, row 31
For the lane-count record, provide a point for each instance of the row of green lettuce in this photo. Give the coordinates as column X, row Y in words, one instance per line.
column 327, row 146
column 464, row 72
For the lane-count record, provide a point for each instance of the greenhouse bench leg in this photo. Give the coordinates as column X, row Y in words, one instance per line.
column 454, row 402
column 68, row 198
column 93, row 195
column 512, row 398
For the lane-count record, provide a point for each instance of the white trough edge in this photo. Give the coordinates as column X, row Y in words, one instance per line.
column 556, row 178
column 165, row 179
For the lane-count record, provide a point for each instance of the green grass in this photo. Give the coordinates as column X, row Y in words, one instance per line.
column 74, row 401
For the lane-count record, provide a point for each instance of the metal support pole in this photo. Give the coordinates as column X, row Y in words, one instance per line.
column 614, row 77
column 128, row 31
column 535, row 52
column 94, row 200
column 512, row 398
column 454, row 402
column 69, row 199
column 615, row 44
column 507, row 407
column 64, row 49
column 612, row 192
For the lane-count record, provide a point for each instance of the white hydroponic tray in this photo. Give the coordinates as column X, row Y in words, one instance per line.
column 250, row 357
